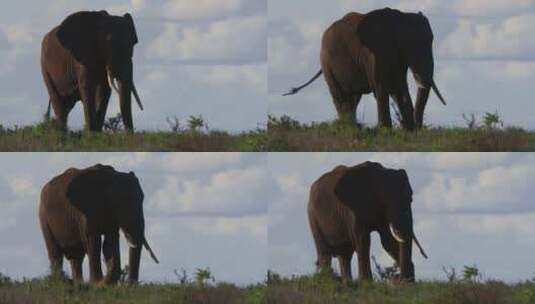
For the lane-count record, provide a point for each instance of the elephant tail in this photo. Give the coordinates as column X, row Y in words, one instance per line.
column 297, row 89
column 47, row 114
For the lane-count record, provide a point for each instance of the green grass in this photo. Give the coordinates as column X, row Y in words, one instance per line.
column 322, row 288
column 286, row 134
column 45, row 291
column 44, row 138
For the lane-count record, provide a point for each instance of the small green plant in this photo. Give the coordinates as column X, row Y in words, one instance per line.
column 196, row 123
column 114, row 124
column 272, row 278
column 471, row 274
column 203, row 277
column 4, row 279
column 492, row 121
column 284, row 122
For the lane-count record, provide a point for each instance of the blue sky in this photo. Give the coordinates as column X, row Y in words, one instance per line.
column 485, row 58
column 468, row 208
column 204, row 59
column 201, row 210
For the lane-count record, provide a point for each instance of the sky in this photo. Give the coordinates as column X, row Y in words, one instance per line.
column 484, row 58
column 204, row 59
column 201, row 210
column 468, row 209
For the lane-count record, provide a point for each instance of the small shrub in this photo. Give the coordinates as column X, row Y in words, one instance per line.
column 451, row 273
column 182, row 276
column 471, row 121
column 272, row 278
column 4, row 279
column 203, row 276
column 114, row 124
column 196, row 123
column 471, row 274
column 492, row 121
column 387, row 273
column 123, row 278
column 284, row 122
column 174, row 124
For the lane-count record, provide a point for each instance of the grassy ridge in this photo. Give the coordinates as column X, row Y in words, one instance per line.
column 48, row 292
column 321, row 289
column 42, row 138
column 286, row 134
column 283, row 134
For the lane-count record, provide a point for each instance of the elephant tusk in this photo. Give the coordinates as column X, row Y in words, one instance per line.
column 152, row 255
column 395, row 235
column 419, row 246
column 136, row 96
column 435, row 89
column 112, row 83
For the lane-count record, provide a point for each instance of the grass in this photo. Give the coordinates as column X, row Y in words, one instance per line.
column 324, row 288
column 196, row 137
column 283, row 134
column 287, row 134
column 49, row 291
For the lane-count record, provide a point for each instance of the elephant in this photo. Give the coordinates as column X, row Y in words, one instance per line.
column 365, row 53
column 81, row 58
column 81, row 212
column 348, row 203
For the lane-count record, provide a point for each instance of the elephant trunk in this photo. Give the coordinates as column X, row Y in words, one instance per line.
column 402, row 232
column 133, row 264
column 125, row 99
column 421, row 101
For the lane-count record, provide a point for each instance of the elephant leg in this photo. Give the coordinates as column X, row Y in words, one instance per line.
column 76, row 268
column 88, row 95
column 383, row 108
column 404, row 103
column 421, row 101
column 346, row 109
column 55, row 254
column 392, row 247
column 344, row 261
column 363, row 255
column 103, row 97
column 94, row 246
column 113, row 257
column 324, row 260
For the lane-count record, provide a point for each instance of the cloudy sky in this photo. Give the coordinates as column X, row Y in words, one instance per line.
column 485, row 58
column 468, row 209
column 208, row 58
column 201, row 210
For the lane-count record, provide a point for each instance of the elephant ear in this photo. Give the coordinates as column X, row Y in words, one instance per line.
column 78, row 34
column 85, row 191
column 132, row 27
column 406, row 183
column 377, row 30
column 354, row 188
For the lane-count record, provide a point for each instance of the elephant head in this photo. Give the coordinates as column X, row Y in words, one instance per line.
column 113, row 200
column 97, row 39
column 382, row 193
column 406, row 39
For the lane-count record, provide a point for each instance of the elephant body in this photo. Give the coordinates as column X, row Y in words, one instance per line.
column 81, row 212
column 81, row 58
column 348, row 203
column 371, row 53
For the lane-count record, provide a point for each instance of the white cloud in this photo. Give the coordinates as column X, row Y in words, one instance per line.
column 238, row 40
column 491, row 7
column 234, row 192
column 195, row 162
column 184, row 10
